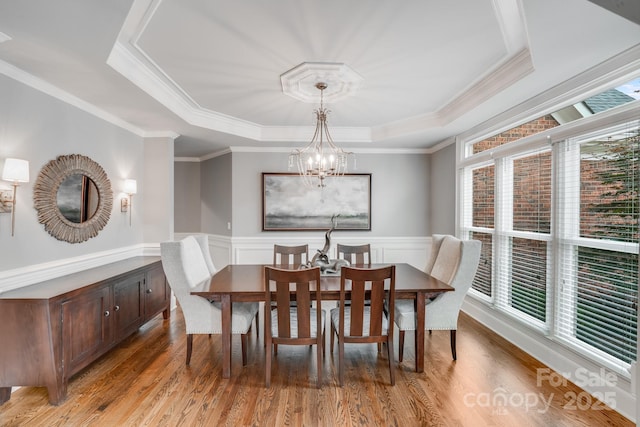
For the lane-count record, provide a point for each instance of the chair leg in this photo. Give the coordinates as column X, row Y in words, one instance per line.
column 244, row 340
column 400, row 346
column 333, row 331
column 341, row 360
column 392, row 368
column 320, row 357
column 189, row 347
column 267, row 372
column 324, row 340
column 453, row 344
column 258, row 324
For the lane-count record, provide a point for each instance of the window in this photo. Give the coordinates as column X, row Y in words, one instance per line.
column 559, row 228
column 482, row 217
column 603, row 101
column 599, row 229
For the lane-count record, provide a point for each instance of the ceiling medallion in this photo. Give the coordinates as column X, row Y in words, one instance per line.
column 300, row 82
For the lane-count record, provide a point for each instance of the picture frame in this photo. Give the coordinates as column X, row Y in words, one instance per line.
column 289, row 205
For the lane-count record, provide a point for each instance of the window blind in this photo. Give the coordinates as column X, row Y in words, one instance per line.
column 598, row 251
column 524, row 230
column 481, row 202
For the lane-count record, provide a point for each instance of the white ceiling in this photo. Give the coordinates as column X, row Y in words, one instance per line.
column 209, row 71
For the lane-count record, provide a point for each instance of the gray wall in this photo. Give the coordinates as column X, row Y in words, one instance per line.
column 37, row 127
column 187, row 197
column 216, row 195
column 442, row 182
column 157, row 220
column 412, row 194
column 400, row 192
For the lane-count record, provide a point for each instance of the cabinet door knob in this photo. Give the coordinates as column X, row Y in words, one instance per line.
column 106, row 313
column 149, row 290
column 116, row 308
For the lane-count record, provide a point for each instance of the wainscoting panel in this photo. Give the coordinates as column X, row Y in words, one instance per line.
column 259, row 250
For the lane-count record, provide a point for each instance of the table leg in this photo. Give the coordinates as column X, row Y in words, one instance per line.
column 420, row 304
column 226, row 335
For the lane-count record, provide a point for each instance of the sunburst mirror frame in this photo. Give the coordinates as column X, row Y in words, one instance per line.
column 45, row 194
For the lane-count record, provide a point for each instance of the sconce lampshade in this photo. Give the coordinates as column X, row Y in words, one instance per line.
column 16, row 170
column 130, row 186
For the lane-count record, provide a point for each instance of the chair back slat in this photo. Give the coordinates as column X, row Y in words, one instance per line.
column 283, row 297
column 377, row 307
column 303, row 306
column 357, row 307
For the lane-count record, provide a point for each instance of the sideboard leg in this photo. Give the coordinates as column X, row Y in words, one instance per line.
column 5, row 394
column 57, row 392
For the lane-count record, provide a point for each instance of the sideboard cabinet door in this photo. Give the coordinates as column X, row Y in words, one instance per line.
column 128, row 305
column 157, row 293
column 86, row 321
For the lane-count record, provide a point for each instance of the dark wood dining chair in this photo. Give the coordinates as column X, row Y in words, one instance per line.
column 290, row 256
column 358, row 254
column 360, row 323
column 299, row 324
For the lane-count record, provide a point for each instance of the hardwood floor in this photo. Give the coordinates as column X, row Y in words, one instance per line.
column 144, row 381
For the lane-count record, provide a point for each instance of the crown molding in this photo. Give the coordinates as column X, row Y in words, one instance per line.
column 55, row 92
column 130, row 60
column 162, row 134
column 616, row 70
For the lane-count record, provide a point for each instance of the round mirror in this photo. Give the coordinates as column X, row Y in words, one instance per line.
column 73, row 198
column 78, row 198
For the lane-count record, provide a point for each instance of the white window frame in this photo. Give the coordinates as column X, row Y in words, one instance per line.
column 560, row 246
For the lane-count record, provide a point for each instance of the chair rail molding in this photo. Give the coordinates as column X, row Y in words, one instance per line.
column 25, row 276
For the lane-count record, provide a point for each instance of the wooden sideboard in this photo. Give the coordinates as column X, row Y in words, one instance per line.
column 51, row 330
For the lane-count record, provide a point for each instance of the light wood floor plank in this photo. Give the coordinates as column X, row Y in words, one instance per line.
column 145, row 382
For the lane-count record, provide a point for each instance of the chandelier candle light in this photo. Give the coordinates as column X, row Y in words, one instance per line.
column 321, row 158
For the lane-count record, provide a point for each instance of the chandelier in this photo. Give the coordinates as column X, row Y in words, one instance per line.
column 321, row 158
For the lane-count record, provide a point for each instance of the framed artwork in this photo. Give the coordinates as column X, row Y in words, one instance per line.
column 289, row 205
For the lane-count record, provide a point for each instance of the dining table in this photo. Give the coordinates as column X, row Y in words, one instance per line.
column 246, row 283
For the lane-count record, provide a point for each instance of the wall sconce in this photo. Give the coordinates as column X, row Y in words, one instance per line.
column 16, row 171
column 130, row 188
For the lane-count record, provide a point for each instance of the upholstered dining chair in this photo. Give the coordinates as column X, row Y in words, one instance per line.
column 436, row 242
column 185, row 265
column 203, row 241
column 290, row 256
column 299, row 324
column 456, row 264
column 360, row 323
column 355, row 254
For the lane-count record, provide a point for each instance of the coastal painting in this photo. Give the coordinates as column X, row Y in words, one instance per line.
column 289, row 205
